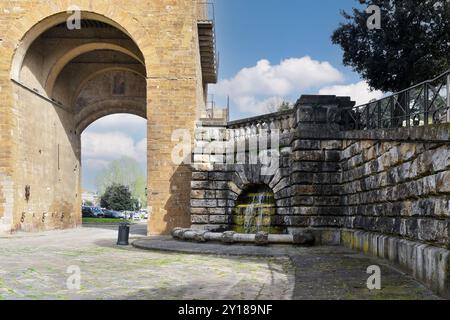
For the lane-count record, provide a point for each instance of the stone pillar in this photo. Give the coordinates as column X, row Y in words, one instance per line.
column 172, row 106
column 315, row 167
column 175, row 97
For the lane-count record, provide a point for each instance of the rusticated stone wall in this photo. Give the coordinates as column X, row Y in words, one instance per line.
column 306, row 183
column 393, row 182
column 382, row 192
column 397, row 188
column 315, row 184
column 217, row 185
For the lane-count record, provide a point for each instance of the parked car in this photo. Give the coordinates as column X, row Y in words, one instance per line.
column 98, row 212
column 128, row 214
column 144, row 214
column 111, row 214
column 91, row 212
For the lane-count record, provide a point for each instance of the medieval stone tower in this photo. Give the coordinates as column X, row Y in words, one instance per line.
column 151, row 58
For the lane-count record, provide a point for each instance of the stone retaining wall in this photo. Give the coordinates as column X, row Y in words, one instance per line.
column 348, row 188
column 397, row 188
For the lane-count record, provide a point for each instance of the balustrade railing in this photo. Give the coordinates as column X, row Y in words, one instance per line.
column 424, row 104
column 283, row 122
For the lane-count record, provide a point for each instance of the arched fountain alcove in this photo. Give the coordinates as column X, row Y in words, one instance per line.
column 255, row 211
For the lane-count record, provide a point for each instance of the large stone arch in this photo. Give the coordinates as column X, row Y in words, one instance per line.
column 52, row 179
column 246, row 176
column 104, row 108
column 59, row 65
column 47, row 16
column 94, row 73
column 36, row 127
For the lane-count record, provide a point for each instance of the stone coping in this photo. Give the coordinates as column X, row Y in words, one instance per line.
column 433, row 133
column 241, row 122
column 167, row 243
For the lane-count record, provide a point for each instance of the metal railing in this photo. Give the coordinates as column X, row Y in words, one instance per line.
column 421, row 105
column 206, row 11
column 213, row 112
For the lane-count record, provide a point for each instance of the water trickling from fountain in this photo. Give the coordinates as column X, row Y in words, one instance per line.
column 255, row 211
column 253, row 214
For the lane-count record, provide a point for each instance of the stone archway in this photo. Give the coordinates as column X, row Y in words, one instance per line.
column 48, row 104
column 68, row 79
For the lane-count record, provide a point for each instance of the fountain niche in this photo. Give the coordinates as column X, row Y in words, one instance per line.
column 255, row 212
column 254, row 221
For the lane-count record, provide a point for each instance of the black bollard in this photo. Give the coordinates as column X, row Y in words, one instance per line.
column 124, row 234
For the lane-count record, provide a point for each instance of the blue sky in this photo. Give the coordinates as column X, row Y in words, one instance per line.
column 270, row 51
column 249, row 31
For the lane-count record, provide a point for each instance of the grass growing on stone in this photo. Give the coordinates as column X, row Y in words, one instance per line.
column 105, row 221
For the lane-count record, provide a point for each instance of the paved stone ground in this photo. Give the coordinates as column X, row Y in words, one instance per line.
column 34, row 266
column 324, row 273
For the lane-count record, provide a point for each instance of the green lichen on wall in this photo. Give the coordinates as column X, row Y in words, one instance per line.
column 255, row 212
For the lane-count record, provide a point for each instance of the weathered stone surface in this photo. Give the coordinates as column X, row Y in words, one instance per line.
column 217, row 219
column 210, row 203
column 304, row 238
column 203, row 194
column 199, row 219
column 228, row 237
column 199, row 176
column 72, row 94
column 375, row 185
column 261, row 238
column 443, row 182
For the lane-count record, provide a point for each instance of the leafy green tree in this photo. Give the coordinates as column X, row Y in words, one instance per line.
column 140, row 191
column 412, row 45
column 127, row 172
column 285, row 106
column 117, row 197
column 88, row 203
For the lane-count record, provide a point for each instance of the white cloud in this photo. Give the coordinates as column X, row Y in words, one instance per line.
column 95, row 164
column 253, row 105
column 98, row 149
column 359, row 92
column 255, row 89
column 141, row 150
column 110, row 138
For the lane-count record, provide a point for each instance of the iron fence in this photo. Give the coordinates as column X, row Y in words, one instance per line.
column 206, row 11
column 206, row 15
column 421, row 105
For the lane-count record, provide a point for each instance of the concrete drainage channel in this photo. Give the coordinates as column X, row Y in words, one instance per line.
column 230, row 237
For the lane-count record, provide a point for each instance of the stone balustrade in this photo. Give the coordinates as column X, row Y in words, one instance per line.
column 284, row 121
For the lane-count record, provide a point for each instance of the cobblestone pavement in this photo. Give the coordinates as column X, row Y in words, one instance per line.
column 34, row 266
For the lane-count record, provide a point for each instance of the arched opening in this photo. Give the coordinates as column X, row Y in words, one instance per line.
column 67, row 79
column 114, row 153
column 255, row 211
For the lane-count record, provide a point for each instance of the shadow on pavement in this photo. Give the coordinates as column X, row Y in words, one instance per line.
column 139, row 229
